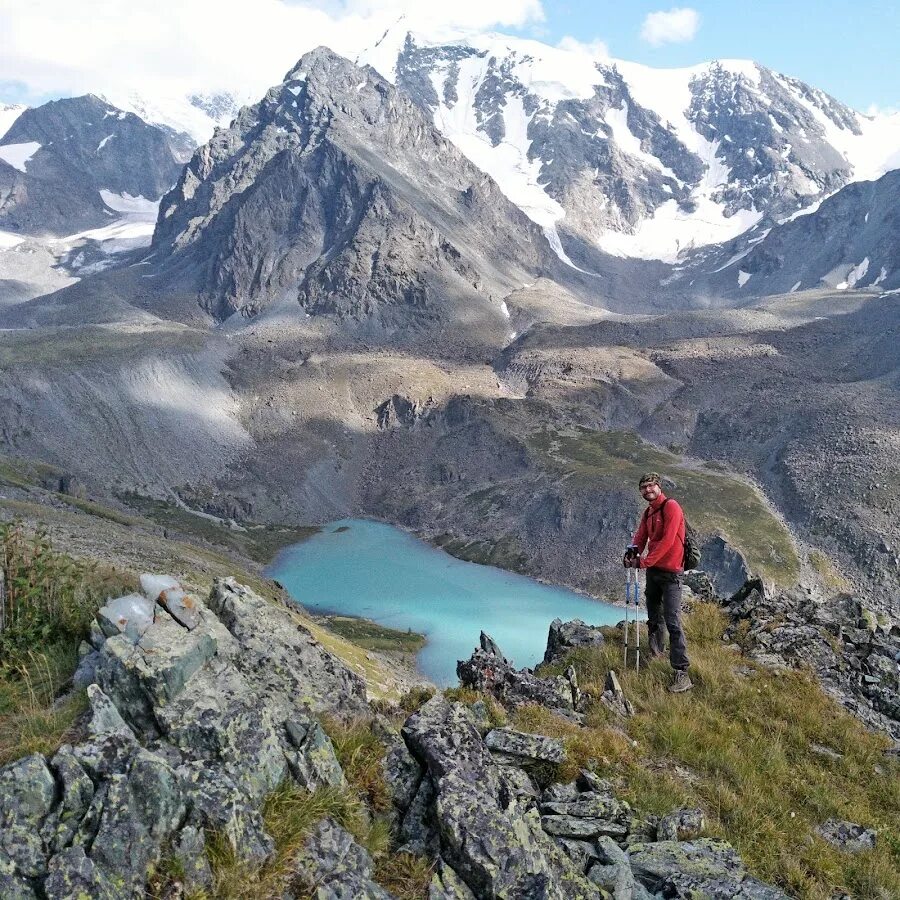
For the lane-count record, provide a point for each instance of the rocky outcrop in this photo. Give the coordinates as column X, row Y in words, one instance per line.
column 198, row 711
column 856, row 659
column 191, row 727
column 487, row 834
column 567, row 636
column 489, row 672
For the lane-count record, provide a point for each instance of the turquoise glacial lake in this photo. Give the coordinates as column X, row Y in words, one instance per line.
column 355, row 567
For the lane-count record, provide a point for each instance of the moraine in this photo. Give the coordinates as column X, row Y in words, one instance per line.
column 370, row 569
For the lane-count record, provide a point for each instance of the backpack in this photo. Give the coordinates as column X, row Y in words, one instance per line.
column 691, row 547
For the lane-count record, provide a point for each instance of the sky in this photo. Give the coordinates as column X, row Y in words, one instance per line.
column 54, row 48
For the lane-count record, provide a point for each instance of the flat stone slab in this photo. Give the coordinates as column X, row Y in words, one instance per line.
column 526, row 746
column 130, row 615
column 587, row 808
column 577, row 827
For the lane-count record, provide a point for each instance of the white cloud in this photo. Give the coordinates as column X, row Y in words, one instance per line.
column 59, row 46
column 672, row 26
column 596, row 48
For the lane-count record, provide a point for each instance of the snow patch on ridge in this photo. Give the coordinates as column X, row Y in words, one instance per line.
column 19, row 155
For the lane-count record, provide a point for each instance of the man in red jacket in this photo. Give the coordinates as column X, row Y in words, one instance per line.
column 662, row 532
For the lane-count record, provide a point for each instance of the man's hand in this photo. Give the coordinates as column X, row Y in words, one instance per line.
column 632, row 557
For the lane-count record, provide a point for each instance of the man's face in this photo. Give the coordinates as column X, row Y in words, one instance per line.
column 650, row 491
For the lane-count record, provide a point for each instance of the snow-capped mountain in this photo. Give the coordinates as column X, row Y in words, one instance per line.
column 70, row 165
column 189, row 118
column 633, row 160
column 850, row 240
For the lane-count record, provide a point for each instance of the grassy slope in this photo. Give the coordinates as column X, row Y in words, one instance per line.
column 713, row 500
column 745, row 745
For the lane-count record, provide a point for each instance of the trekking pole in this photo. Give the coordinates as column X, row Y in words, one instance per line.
column 627, row 604
column 632, row 594
column 637, row 622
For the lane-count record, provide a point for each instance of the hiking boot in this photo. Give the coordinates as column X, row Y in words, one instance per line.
column 682, row 682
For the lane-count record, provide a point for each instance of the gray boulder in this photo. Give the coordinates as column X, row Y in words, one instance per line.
column 312, row 762
column 141, row 810
column 613, row 697
column 27, row 796
column 334, row 867
column 700, row 868
column 848, row 836
column 489, row 673
column 567, row 636
column 681, row 825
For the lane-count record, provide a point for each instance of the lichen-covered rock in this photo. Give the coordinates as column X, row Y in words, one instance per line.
column 73, row 876
column 141, row 810
column 833, row 638
column 567, row 636
column 520, row 745
column 402, row 773
column 613, row 871
column 492, row 842
column 703, row 867
column 280, row 658
column 681, row 825
column 489, row 673
column 77, row 790
column 27, row 796
column 582, row 827
column 590, row 805
column 848, row 836
column 189, row 849
column 14, row 888
column 219, row 803
column 312, row 762
column 418, row 828
column 335, row 867
column 447, row 885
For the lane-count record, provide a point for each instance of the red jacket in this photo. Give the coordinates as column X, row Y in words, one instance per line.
column 663, row 533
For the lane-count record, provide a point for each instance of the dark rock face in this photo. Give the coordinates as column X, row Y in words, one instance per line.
column 725, row 566
column 86, row 146
column 335, row 190
column 856, row 660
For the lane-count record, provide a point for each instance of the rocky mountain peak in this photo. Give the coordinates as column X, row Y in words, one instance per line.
column 335, row 189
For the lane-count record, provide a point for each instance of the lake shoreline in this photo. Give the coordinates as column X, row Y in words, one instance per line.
column 373, row 571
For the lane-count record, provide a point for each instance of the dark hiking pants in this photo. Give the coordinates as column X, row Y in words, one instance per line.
column 664, row 614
